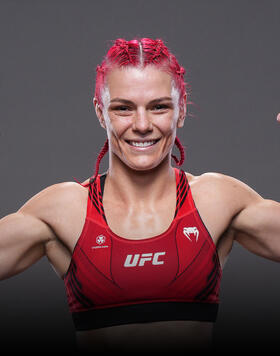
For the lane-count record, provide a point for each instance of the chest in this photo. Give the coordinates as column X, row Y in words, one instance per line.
column 139, row 221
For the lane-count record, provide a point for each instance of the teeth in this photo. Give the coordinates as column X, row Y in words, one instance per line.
column 142, row 144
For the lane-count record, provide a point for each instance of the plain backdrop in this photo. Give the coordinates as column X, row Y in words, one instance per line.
column 49, row 133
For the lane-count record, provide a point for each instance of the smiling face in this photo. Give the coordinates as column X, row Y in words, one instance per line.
column 141, row 114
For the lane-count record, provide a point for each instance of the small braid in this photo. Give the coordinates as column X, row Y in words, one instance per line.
column 158, row 49
column 182, row 153
column 102, row 153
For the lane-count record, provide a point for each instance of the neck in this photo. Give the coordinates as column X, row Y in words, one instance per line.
column 129, row 186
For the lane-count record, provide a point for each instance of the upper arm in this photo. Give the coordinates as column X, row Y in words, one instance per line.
column 253, row 221
column 257, row 228
column 25, row 233
column 22, row 240
column 256, row 222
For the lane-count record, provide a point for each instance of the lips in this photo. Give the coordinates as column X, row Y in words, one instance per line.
column 142, row 143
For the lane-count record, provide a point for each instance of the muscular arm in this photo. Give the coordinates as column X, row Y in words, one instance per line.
column 244, row 216
column 28, row 234
column 255, row 221
column 257, row 228
column 47, row 224
column 22, row 242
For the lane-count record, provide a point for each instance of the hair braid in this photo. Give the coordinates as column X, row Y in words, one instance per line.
column 182, row 153
column 102, row 153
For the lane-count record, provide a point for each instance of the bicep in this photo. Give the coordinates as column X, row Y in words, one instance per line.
column 257, row 228
column 22, row 242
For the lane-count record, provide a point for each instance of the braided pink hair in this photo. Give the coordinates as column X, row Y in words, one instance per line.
column 139, row 53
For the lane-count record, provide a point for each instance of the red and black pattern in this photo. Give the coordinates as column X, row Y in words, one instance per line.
column 182, row 191
column 213, row 280
column 113, row 280
column 75, row 290
column 95, row 196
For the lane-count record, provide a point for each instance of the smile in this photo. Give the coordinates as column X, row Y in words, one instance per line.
column 142, row 143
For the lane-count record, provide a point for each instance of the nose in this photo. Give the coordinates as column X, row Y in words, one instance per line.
column 142, row 122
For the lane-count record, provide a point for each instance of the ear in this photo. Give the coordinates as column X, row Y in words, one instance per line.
column 182, row 112
column 99, row 113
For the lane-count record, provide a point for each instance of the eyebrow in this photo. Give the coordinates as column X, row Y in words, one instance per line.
column 125, row 101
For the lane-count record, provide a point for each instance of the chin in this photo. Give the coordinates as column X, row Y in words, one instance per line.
column 140, row 163
column 144, row 166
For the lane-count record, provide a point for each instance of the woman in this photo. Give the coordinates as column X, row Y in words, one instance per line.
column 141, row 247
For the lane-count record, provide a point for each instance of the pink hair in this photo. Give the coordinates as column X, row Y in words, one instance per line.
column 139, row 53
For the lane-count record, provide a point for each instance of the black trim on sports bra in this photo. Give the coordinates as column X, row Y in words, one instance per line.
column 102, row 183
column 143, row 313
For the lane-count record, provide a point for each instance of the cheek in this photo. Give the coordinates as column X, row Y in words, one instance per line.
column 117, row 126
column 166, row 125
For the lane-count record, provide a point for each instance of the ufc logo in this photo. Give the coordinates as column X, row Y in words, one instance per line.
column 139, row 260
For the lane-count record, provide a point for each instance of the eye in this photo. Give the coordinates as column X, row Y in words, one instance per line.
column 159, row 107
column 122, row 108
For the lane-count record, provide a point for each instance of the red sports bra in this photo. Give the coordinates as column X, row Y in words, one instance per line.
column 112, row 280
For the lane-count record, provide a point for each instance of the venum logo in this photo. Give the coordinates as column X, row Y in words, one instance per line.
column 140, row 259
column 191, row 233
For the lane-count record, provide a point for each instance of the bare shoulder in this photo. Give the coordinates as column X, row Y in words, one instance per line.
column 223, row 187
column 50, row 203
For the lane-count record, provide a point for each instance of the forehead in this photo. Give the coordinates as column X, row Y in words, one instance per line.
column 136, row 84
